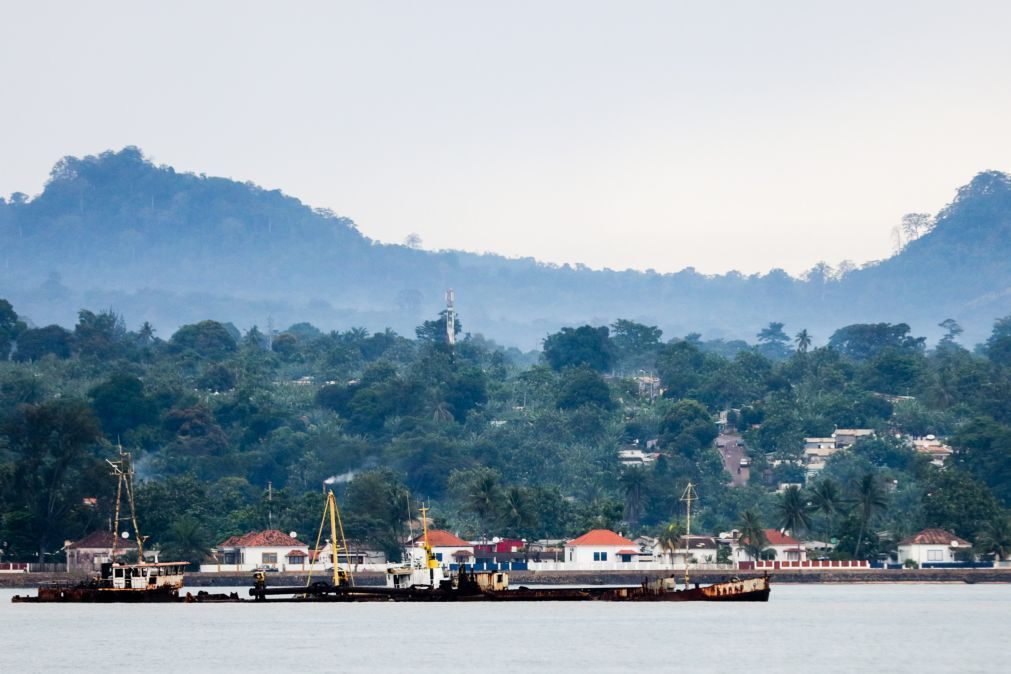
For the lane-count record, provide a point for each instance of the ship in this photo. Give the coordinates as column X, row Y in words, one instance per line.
column 116, row 581
column 422, row 578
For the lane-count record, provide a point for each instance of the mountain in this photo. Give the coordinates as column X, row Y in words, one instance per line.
column 116, row 231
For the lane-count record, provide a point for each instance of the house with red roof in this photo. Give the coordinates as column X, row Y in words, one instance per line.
column 88, row 554
column 270, row 549
column 600, row 546
column 786, row 548
column 933, row 546
column 447, row 547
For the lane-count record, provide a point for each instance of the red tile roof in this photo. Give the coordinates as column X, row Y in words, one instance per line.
column 601, row 537
column 297, row 553
column 261, row 539
column 776, row 537
column 440, row 538
column 627, row 552
column 935, row 537
column 102, row 540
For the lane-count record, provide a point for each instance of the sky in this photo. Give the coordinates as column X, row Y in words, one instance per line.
column 643, row 135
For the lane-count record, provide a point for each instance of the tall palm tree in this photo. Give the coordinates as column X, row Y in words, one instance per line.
column 794, row 511
column 803, row 341
column 484, row 496
column 870, row 500
column 995, row 538
column 753, row 534
column 668, row 539
column 827, row 500
column 633, row 483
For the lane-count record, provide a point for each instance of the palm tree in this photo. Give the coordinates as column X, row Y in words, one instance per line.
column 794, row 511
column 633, row 482
column 753, row 534
column 516, row 514
column 995, row 538
column 187, row 540
column 826, row 499
column 668, row 539
column 484, row 495
column 803, row 341
column 870, row 500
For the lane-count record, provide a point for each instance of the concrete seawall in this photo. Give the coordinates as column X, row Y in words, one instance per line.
column 517, row 578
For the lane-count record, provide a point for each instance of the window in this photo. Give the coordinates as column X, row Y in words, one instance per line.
column 935, row 555
column 438, row 556
column 269, row 558
column 600, row 556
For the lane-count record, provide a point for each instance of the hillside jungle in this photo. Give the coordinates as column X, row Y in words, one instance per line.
column 236, row 432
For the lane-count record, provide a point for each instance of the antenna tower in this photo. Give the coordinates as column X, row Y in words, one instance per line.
column 450, row 317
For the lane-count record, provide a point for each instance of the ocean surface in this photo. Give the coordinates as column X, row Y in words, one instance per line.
column 804, row 628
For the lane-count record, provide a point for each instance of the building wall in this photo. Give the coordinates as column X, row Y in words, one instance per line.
column 925, row 554
column 252, row 557
column 590, row 554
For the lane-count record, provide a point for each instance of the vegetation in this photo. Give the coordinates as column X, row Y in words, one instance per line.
column 238, row 431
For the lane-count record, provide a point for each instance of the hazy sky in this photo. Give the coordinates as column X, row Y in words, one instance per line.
column 722, row 135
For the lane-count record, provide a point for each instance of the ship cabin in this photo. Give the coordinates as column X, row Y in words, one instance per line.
column 145, row 576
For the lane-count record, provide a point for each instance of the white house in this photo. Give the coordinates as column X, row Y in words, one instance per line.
column 270, row 549
column 786, row 548
column 934, row 448
column 696, row 550
column 600, row 545
column 932, row 546
column 87, row 554
column 847, row 437
column 447, row 547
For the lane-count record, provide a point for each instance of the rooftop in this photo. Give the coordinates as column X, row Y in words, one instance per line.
column 440, row 538
column 935, row 537
column 102, row 540
column 270, row 538
column 601, row 537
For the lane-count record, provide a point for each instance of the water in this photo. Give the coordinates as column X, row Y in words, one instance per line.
column 803, row 628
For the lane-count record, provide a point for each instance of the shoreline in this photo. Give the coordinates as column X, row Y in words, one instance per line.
column 518, row 578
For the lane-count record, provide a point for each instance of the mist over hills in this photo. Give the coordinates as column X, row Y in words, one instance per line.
column 115, row 231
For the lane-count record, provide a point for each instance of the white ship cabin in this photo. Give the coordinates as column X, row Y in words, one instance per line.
column 143, row 576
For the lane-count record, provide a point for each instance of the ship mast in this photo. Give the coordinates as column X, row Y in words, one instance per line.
column 687, row 497
column 123, row 470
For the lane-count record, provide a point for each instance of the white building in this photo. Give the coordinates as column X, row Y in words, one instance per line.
column 786, row 548
column 934, row 448
column 847, row 437
column 696, row 550
column 600, row 545
column 270, row 549
column 88, row 554
column 932, row 546
column 447, row 547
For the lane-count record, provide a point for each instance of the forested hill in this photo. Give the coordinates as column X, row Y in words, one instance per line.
column 116, row 231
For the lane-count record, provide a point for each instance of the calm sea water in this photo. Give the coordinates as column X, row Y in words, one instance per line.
column 803, row 628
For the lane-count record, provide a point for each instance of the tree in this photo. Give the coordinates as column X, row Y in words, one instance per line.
column 803, row 341
column 434, row 332
column 10, row 327
column 668, row 539
column 794, row 511
column 209, row 339
column 582, row 386
column 773, row 342
column 633, row 484
column 753, row 538
column 187, row 540
column 51, row 470
column 636, row 344
column 951, row 330
column 584, row 345
column 687, row 428
column 998, row 345
column 995, row 537
column 826, row 499
column 863, row 341
column 121, row 405
column 870, row 499
column 35, row 343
